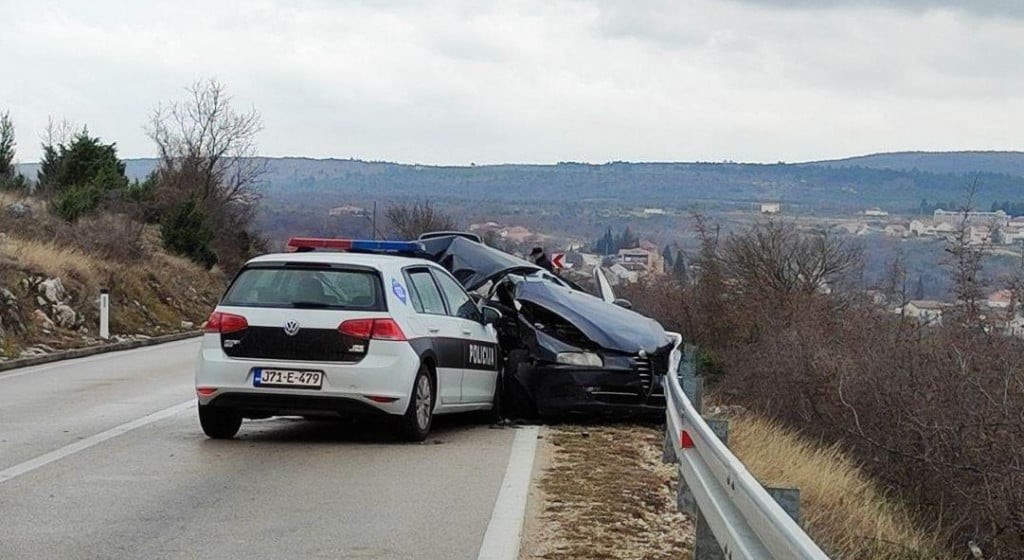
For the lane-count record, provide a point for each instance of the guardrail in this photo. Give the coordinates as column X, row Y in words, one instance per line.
column 737, row 518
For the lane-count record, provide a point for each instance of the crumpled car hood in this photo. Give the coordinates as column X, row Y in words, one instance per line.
column 471, row 263
column 608, row 325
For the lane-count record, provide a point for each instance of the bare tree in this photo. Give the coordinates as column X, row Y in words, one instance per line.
column 208, row 155
column 894, row 286
column 774, row 258
column 409, row 220
column 964, row 258
column 207, row 147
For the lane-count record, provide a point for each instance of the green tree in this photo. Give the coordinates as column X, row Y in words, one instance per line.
column 679, row 271
column 80, row 174
column 185, row 231
column 628, row 240
column 606, row 244
column 88, row 161
column 9, row 176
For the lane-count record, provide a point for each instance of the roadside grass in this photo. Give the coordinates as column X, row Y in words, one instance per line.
column 607, row 495
column 842, row 509
column 51, row 260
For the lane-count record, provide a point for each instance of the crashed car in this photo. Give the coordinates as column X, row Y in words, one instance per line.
column 566, row 351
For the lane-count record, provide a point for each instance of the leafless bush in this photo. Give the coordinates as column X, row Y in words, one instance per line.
column 409, row 220
column 964, row 260
column 773, row 259
column 116, row 237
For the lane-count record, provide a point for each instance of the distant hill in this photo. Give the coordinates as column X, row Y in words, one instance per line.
column 1011, row 163
column 895, row 182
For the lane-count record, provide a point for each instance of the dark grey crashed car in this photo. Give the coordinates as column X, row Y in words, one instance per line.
column 566, row 351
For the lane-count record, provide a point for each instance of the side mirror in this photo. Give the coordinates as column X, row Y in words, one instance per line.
column 490, row 315
column 623, row 303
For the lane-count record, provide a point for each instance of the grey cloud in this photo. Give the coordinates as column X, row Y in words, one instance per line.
column 988, row 8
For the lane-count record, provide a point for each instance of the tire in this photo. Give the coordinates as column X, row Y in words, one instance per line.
column 219, row 423
column 414, row 425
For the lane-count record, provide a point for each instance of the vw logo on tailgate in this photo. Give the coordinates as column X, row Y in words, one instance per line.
column 291, row 328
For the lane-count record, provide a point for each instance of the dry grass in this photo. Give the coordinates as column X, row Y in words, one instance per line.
column 607, row 495
column 841, row 508
column 51, row 260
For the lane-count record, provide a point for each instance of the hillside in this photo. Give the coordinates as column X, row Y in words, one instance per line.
column 632, row 184
column 896, row 182
column 1010, row 163
column 51, row 273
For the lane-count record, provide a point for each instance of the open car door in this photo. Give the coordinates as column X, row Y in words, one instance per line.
column 603, row 287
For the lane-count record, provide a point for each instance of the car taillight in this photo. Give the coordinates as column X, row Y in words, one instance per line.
column 357, row 328
column 225, row 323
column 387, row 329
column 377, row 329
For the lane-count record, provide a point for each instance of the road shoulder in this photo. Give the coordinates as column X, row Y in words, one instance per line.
column 601, row 491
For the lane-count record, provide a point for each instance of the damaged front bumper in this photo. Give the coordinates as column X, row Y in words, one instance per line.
column 560, row 390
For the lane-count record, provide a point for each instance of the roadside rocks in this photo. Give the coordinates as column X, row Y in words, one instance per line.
column 725, row 411
column 52, row 289
column 19, row 210
column 54, row 310
column 41, row 320
column 10, row 318
column 64, row 316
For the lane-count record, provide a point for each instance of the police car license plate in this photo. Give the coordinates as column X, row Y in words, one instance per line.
column 297, row 379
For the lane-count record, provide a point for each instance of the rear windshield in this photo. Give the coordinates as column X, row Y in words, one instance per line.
column 306, row 288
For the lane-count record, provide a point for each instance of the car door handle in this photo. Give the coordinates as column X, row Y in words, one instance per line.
column 434, row 330
column 467, row 332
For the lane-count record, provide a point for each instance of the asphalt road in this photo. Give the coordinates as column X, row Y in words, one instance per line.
column 76, row 483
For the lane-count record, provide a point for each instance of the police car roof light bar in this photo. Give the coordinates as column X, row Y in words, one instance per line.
column 296, row 244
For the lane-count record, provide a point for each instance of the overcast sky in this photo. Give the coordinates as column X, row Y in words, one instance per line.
column 450, row 82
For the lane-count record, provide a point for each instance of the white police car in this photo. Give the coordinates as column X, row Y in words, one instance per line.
column 363, row 331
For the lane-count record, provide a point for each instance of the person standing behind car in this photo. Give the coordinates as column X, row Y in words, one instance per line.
column 540, row 259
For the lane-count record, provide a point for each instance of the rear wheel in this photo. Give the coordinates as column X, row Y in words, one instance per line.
column 219, row 423
column 414, row 425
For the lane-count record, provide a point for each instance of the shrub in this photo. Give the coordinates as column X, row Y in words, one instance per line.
column 74, row 202
column 185, row 231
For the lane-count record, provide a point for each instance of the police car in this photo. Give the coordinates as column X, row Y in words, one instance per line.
column 363, row 329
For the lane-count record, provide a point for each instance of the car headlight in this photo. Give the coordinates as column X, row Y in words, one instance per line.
column 580, row 359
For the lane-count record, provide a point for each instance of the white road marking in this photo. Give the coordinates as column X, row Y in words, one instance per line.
column 87, row 359
column 58, row 454
column 501, row 541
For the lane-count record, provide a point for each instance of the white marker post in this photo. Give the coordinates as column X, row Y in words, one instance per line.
column 104, row 313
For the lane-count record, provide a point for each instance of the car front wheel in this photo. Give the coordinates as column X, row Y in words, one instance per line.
column 415, row 423
column 219, row 423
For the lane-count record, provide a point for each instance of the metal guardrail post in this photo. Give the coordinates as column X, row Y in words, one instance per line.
column 721, row 428
column 668, row 451
column 692, row 384
column 788, row 498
